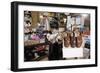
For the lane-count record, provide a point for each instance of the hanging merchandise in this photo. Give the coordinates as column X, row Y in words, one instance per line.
column 47, row 24
column 73, row 20
column 78, row 20
column 68, row 26
column 27, row 24
column 26, row 37
column 45, row 21
column 35, row 37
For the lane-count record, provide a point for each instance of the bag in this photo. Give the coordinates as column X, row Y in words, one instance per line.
column 79, row 41
column 66, row 41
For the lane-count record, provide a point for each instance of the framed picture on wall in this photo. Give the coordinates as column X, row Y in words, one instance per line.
column 52, row 36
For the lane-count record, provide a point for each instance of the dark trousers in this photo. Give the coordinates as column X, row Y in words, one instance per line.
column 55, row 51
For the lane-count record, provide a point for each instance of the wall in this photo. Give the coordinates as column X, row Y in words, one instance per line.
column 5, row 35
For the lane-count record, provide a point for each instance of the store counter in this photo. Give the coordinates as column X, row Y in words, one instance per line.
column 69, row 52
column 72, row 52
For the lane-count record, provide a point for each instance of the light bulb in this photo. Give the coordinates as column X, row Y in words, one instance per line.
column 84, row 15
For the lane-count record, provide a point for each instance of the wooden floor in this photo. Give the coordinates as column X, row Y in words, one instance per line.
column 44, row 59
